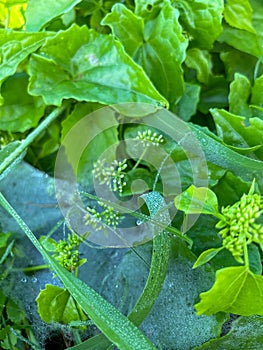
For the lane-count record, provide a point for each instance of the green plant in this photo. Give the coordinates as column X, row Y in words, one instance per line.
column 127, row 164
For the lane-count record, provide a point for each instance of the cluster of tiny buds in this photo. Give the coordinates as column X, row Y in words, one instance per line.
column 239, row 224
column 149, row 138
column 68, row 252
column 99, row 220
column 112, row 174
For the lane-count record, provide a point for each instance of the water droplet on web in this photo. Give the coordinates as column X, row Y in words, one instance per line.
column 34, row 279
column 24, row 279
column 139, row 222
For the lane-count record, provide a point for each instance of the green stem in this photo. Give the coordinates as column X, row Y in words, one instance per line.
column 246, row 258
column 32, row 268
column 30, row 138
column 140, row 159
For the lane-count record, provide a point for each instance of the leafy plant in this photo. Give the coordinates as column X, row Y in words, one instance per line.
column 89, row 93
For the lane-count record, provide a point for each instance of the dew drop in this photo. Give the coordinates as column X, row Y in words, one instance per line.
column 24, row 280
column 139, row 222
column 34, row 279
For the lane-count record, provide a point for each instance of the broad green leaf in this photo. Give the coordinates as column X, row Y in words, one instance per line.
column 200, row 60
column 258, row 18
column 238, row 13
column 245, row 333
column 127, row 27
column 230, row 188
column 188, row 103
column 39, row 13
column 20, row 110
column 152, row 45
column 240, row 90
column 238, row 62
column 257, row 95
column 94, row 68
column 236, row 290
column 98, row 134
column 202, row 20
column 232, row 129
column 206, row 256
column 114, row 325
column 215, row 94
column 14, row 312
column 55, row 304
column 15, row 47
column 138, row 181
column 12, row 13
column 242, row 40
column 197, row 200
column 255, row 261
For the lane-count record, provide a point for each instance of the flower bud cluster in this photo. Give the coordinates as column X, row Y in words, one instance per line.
column 112, row 174
column 239, row 224
column 68, row 252
column 107, row 217
column 149, row 138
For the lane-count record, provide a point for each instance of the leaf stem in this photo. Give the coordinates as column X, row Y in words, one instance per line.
column 246, row 258
column 32, row 268
column 140, row 159
column 30, row 138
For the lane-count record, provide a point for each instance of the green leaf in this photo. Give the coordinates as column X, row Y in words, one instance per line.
column 187, row 105
column 15, row 47
column 94, row 68
column 14, row 312
column 200, row 60
column 38, row 13
column 206, row 256
column 107, row 318
column 255, row 263
column 197, row 200
column 236, row 290
column 232, row 129
column 258, row 18
column 230, row 188
column 242, row 40
column 4, row 238
column 240, row 90
column 245, row 333
column 48, row 243
column 98, row 135
column 257, row 96
column 238, row 13
column 160, row 259
column 20, row 111
column 126, row 26
column 202, row 19
column 215, row 94
column 97, row 342
column 55, row 304
column 152, row 45
column 238, row 62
